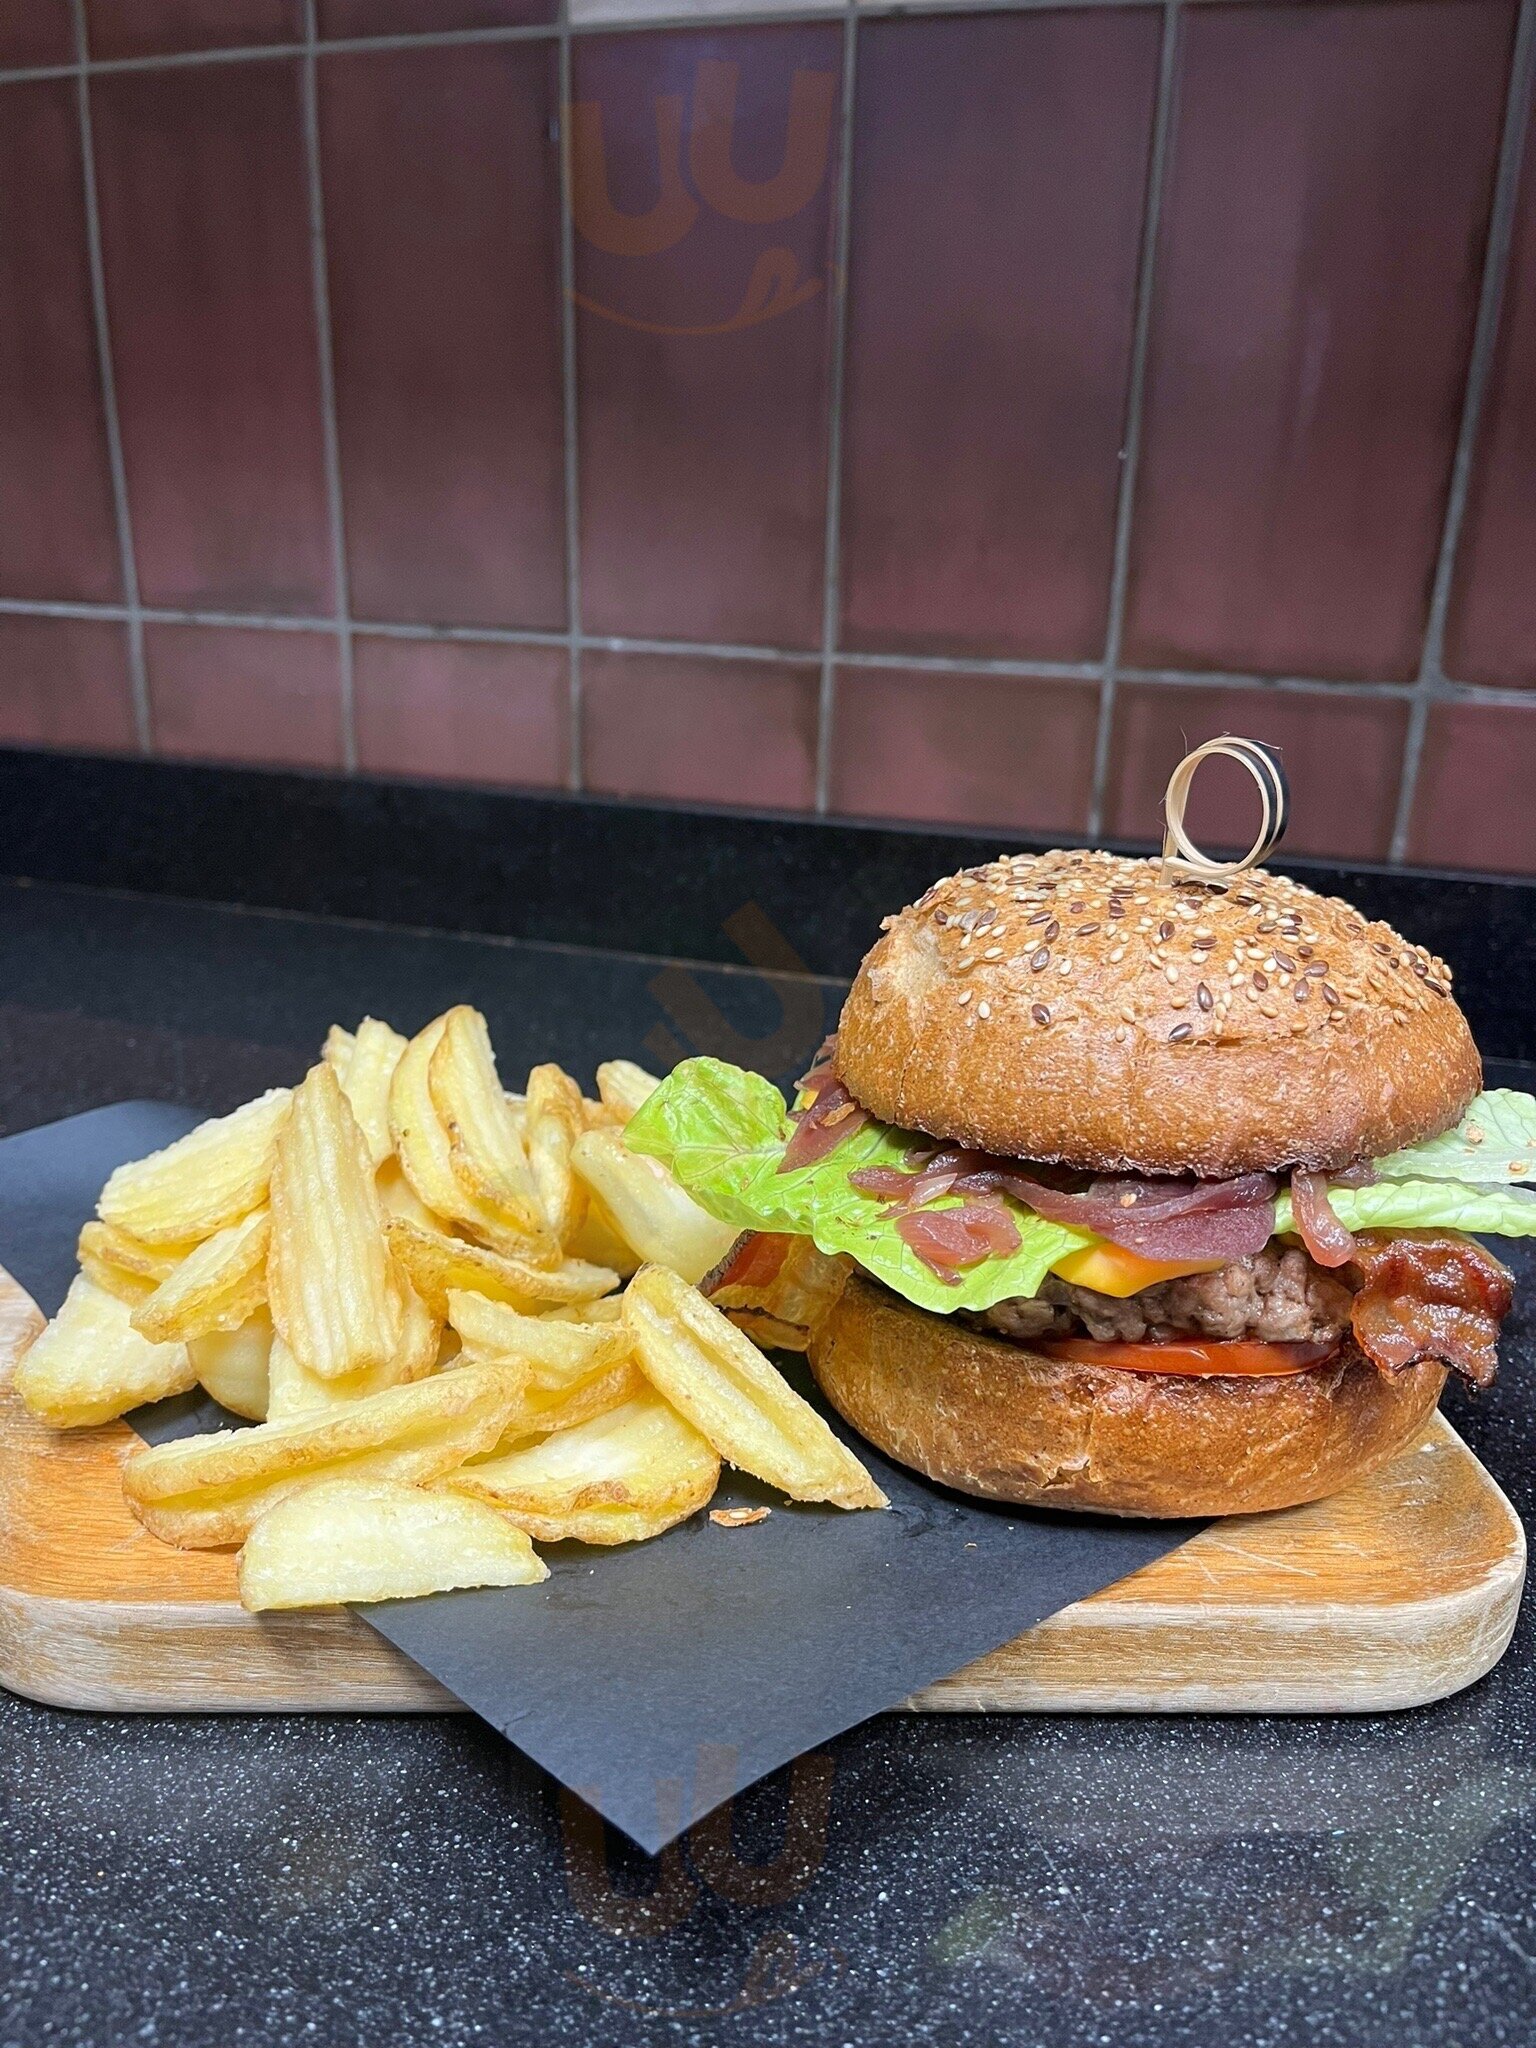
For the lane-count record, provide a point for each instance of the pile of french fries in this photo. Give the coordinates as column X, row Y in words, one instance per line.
column 414, row 1283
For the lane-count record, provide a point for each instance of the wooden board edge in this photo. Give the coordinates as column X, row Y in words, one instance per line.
column 75, row 1653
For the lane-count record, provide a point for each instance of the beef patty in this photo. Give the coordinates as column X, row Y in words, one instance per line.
column 1278, row 1296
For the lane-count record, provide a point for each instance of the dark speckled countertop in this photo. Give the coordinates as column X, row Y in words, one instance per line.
column 202, row 1882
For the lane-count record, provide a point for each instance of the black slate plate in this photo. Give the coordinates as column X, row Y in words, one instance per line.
column 658, row 1680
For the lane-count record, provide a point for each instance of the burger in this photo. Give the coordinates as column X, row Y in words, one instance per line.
column 1121, row 1192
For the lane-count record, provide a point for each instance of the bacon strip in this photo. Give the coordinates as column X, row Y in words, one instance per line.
column 1324, row 1236
column 1430, row 1294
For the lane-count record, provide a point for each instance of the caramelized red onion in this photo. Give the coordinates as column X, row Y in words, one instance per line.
column 948, row 1240
column 1327, row 1241
column 830, row 1118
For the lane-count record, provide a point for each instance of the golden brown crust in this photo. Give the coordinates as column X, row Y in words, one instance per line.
column 992, row 1418
column 1076, row 1007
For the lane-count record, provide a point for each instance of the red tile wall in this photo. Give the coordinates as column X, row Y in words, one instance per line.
column 1319, row 269
column 328, row 328
column 444, row 277
column 144, row 28
column 703, row 254
column 205, row 233
column 1491, row 636
column 36, row 32
column 58, row 536
column 461, row 711
column 65, row 683
column 981, row 464
column 231, row 693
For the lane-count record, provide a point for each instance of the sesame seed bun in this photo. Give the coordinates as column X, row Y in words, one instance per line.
column 994, row 1418
column 1078, row 1007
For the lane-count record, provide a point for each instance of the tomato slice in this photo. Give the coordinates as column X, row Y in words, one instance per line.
column 1259, row 1361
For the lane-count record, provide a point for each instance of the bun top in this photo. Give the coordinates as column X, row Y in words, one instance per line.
column 1077, row 1007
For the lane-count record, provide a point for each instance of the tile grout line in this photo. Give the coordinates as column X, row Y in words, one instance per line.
column 837, row 346
column 1125, row 502
column 1357, row 689
column 320, row 287
column 532, row 32
column 133, row 619
column 575, row 767
column 1496, row 261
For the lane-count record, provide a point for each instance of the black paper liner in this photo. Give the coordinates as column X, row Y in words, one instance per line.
column 658, row 1679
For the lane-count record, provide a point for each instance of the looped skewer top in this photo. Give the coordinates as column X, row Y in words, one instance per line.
column 1181, row 856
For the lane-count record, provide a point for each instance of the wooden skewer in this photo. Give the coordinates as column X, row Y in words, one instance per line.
column 1181, row 856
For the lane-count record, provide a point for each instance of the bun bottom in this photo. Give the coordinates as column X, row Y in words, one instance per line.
column 988, row 1417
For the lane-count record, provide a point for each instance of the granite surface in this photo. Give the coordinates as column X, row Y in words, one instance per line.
column 1117, row 1881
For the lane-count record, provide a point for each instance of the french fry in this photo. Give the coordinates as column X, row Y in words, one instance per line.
column 553, row 1121
column 557, row 1354
column 374, row 1539
column 622, row 1087
column 103, row 1249
column 295, row 1391
column 336, row 1302
column 484, row 1144
column 436, row 1263
column 206, row 1492
column 218, row 1286
column 574, row 1372
column 338, row 1049
column 365, row 1080
column 598, row 1239
column 732, row 1395
column 232, row 1366
column 90, row 1364
column 621, row 1478
column 661, row 1221
column 399, row 1198
column 426, row 1157
column 609, row 1308
column 205, row 1181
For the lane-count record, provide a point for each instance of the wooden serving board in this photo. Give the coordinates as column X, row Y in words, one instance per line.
column 1400, row 1590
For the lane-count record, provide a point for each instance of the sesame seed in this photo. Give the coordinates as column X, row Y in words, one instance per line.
column 1260, row 981
column 1268, row 1010
column 1331, row 997
column 1172, row 973
column 1518, row 1168
column 1063, row 966
column 1040, row 958
column 1040, row 1014
column 1165, row 930
column 1051, row 932
column 1474, row 1134
column 1302, row 991
column 1204, row 997
column 983, row 1009
column 1117, row 954
column 1181, row 1033
column 965, row 996
column 993, row 953
column 1122, row 1034
column 1128, row 1013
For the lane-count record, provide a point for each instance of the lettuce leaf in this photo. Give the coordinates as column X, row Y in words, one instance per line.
column 722, row 1132
column 1426, row 1205
column 1494, row 1142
